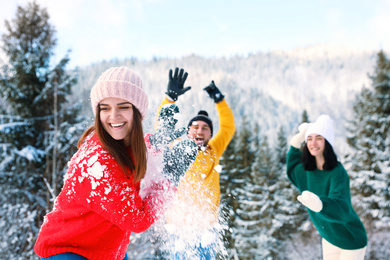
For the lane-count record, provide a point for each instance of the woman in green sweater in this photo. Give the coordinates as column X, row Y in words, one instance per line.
column 324, row 186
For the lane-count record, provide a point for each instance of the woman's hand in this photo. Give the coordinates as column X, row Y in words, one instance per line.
column 299, row 138
column 310, row 200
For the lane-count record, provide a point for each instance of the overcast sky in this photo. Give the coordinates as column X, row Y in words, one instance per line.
column 97, row 30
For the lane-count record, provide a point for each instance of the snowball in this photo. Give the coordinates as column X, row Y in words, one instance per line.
column 218, row 168
column 94, row 184
column 80, row 179
column 207, row 238
column 188, row 149
column 170, row 228
column 177, row 116
column 107, row 190
column 96, row 171
column 180, row 245
column 92, row 160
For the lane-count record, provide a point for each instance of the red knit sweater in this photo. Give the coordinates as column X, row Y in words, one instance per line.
column 99, row 207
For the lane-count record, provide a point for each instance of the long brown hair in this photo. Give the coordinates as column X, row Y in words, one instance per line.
column 117, row 149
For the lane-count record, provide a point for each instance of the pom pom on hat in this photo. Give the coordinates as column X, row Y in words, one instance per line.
column 120, row 82
column 323, row 126
column 202, row 116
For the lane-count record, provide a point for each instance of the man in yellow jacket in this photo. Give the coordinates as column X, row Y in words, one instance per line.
column 193, row 219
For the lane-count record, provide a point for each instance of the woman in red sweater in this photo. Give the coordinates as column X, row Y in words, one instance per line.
column 102, row 200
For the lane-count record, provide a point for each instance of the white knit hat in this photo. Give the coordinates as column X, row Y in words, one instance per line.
column 120, row 82
column 323, row 126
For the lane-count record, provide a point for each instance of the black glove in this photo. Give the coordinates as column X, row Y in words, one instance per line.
column 176, row 84
column 214, row 92
column 165, row 130
column 177, row 160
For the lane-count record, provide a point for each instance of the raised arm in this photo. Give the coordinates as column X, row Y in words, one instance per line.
column 226, row 120
column 176, row 82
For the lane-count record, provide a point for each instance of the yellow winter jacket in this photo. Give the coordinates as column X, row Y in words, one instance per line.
column 198, row 196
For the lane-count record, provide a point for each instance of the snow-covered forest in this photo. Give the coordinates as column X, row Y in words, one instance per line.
column 44, row 108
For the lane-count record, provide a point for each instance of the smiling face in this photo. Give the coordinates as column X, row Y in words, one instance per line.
column 316, row 145
column 116, row 116
column 200, row 132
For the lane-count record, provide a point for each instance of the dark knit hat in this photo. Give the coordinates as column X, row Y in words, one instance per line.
column 202, row 116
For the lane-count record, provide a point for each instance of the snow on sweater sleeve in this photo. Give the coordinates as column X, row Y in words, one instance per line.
column 97, row 182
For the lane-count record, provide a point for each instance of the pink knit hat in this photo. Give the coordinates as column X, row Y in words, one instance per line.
column 120, row 82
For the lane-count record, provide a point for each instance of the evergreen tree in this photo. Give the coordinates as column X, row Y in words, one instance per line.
column 271, row 211
column 259, row 210
column 244, row 158
column 227, row 217
column 236, row 163
column 305, row 117
column 369, row 138
column 263, row 207
column 281, row 150
column 38, row 132
column 244, row 149
column 288, row 214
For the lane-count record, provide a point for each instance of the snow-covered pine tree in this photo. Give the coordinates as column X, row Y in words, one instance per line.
column 369, row 138
column 227, row 215
column 258, row 208
column 30, row 84
column 290, row 219
column 368, row 162
column 264, row 210
column 234, row 179
column 305, row 116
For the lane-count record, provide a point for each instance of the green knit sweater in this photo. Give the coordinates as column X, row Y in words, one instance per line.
column 337, row 222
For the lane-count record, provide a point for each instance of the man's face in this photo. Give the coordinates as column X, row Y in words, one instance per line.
column 200, row 132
